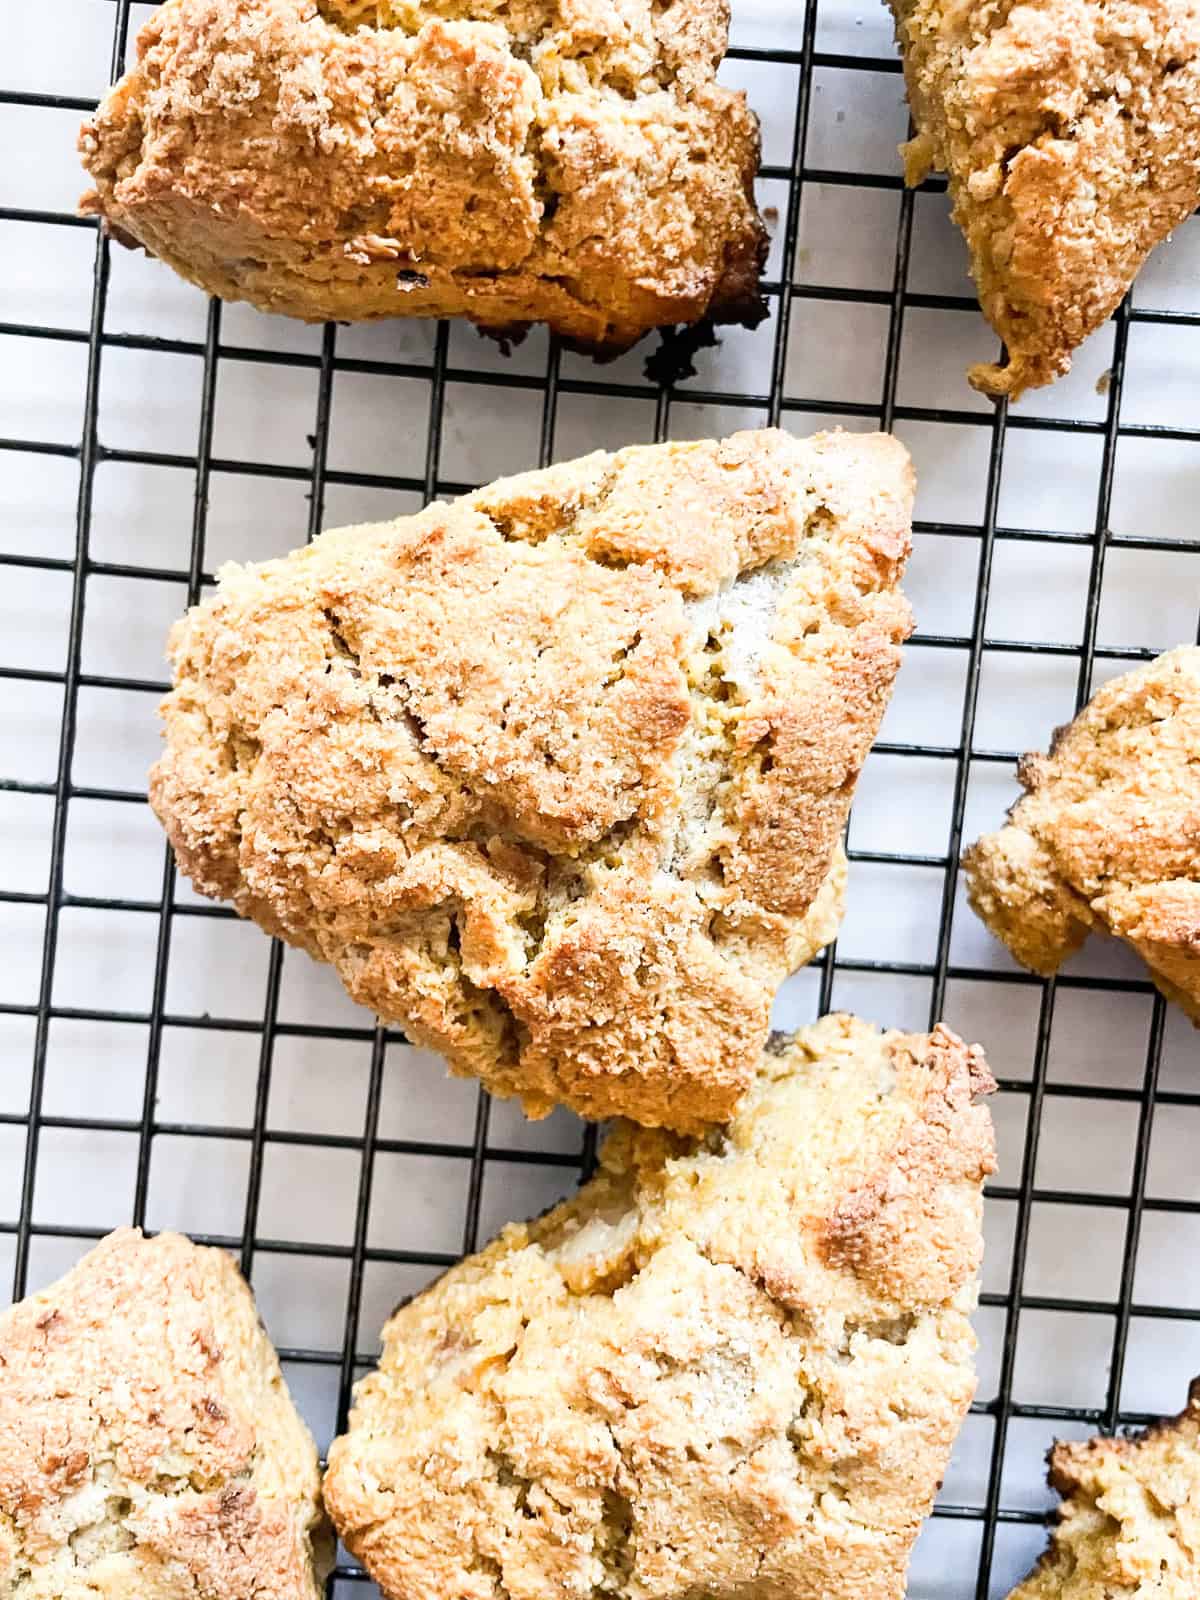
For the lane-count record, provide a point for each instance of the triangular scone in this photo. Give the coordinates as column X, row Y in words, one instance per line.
column 148, row 1446
column 1070, row 130
column 729, row 1367
column 555, row 775
column 1107, row 835
column 1129, row 1525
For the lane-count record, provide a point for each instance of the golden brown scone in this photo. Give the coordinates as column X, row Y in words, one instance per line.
column 1130, row 1525
column 148, row 1447
column 1070, row 130
column 1107, row 835
column 555, row 775
column 730, row 1367
column 572, row 163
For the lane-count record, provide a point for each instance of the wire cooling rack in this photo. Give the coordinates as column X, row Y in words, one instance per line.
column 166, row 1065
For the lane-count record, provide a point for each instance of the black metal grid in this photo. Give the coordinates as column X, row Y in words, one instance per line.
column 475, row 1146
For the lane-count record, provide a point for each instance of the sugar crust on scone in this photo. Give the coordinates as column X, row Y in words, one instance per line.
column 1070, row 131
column 1129, row 1525
column 555, row 775
column 148, row 1446
column 574, row 163
column 732, row 1366
column 1107, row 835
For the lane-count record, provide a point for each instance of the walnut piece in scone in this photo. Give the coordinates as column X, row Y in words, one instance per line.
column 1070, row 131
column 1107, row 835
column 1129, row 1527
column 148, row 1446
column 573, row 162
column 555, row 775
column 731, row 1366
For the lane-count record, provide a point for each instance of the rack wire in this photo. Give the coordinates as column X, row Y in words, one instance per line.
column 989, row 1510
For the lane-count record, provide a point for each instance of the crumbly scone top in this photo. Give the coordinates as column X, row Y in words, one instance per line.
column 1107, row 834
column 390, row 159
column 555, row 774
column 148, row 1445
column 1129, row 1526
column 730, row 1366
column 1071, row 134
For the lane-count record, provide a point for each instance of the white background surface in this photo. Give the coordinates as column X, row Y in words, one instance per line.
column 265, row 413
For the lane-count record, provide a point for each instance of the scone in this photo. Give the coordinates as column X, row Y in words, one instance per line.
column 148, row 1447
column 555, row 775
column 1107, row 835
column 573, row 163
column 1070, row 130
column 1130, row 1523
column 730, row 1367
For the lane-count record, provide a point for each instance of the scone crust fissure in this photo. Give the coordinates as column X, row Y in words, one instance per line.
column 1107, row 834
column 574, row 164
column 148, row 1446
column 555, row 775
column 1070, row 131
column 732, row 1366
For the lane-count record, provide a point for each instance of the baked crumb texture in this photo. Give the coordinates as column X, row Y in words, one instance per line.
column 148, row 1447
column 555, row 775
column 729, row 1367
column 1107, row 834
column 1070, row 130
column 1129, row 1527
column 512, row 161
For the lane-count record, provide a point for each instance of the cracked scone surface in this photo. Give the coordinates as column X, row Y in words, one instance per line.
column 1129, row 1525
column 555, row 775
column 148, row 1446
column 573, row 162
column 728, row 1367
column 1107, row 834
column 1070, row 131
